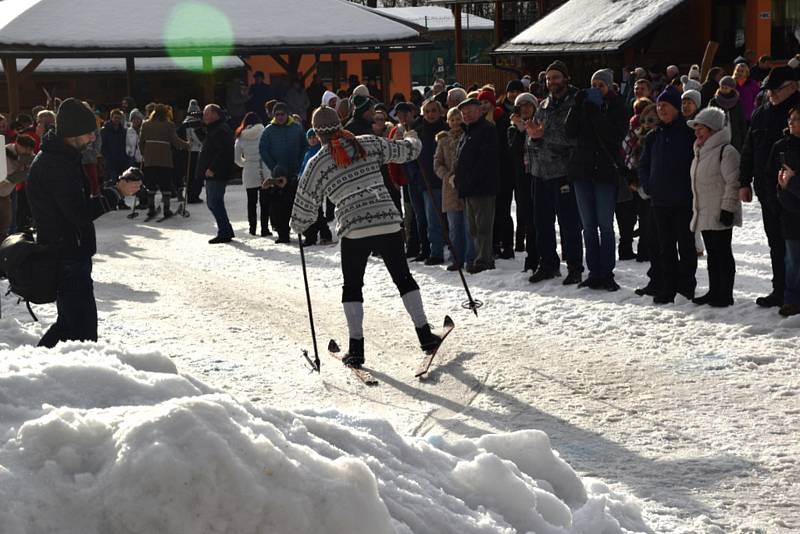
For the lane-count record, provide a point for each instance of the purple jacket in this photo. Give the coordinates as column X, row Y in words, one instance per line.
column 747, row 96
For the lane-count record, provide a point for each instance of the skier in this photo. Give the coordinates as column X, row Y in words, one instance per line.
column 347, row 170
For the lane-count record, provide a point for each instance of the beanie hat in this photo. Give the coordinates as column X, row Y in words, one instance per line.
column 325, row 120
column 741, row 59
column 488, row 96
column 671, row 96
column 280, row 107
column 361, row 103
column 193, row 107
column 711, row 117
column 560, row 66
column 310, row 133
column 135, row 114
column 515, row 85
column 404, row 107
column 526, row 98
column 361, row 90
column 74, row 119
column 694, row 73
column 694, row 96
column 728, row 81
column 690, row 84
column 604, row 75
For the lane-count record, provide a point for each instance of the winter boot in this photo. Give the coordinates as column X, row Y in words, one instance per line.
column 355, row 354
column 428, row 341
column 151, row 204
column 573, row 277
column 165, row 200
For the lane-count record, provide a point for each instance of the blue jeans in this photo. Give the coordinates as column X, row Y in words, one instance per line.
column 555, row 198
column 435, row 235
column 596, row 204
column 215, row 199
column 77, row 310
column 418, row 207
column 459, row 236
column 791, row 294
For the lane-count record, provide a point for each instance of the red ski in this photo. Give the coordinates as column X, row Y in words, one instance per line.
column 362, row 374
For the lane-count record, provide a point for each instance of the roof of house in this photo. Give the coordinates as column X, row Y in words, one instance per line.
column 437, row 18
column 94, row 28
column 589, row 26
column 146, row 64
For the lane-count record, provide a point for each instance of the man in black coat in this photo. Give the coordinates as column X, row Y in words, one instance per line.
column 432, row 123
column 215, row 164
column 476, row 180
column 113, row 135
column 58, row 195
column 766, row 128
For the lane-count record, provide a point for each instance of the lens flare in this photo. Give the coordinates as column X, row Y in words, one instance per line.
column 196, row 29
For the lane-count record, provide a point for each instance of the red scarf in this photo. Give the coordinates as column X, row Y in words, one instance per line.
column 339, row 153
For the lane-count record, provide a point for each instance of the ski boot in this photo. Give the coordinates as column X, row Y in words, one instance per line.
column 428, row 341
column 355, row 354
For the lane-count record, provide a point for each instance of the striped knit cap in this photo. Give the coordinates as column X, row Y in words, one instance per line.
column 325, row 120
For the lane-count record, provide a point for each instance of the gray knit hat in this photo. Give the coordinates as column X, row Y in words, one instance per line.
column 728, row 81
column 74, row 119
column 135, row 114
column 711, row 117
column 325, row 120
column 604, row 75
column 694, row 96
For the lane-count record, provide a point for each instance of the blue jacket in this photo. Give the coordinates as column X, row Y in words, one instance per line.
column 283, row 145
column 310, row 153
column 664, row 168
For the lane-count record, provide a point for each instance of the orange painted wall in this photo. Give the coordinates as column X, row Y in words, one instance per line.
column 401, row 68
column 758, row 31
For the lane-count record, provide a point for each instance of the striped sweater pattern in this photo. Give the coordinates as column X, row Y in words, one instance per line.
column 358, row 192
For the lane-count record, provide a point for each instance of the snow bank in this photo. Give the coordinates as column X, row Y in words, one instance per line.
column 437, row 18
column 100, row 440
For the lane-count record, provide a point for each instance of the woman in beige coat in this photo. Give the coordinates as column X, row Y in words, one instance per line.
column 444, row 165
column 715, row 204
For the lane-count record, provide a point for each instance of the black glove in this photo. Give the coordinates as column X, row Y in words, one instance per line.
column 726, row 217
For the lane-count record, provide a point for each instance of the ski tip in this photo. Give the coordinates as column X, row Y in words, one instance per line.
column 333, row 346
column 448, row 322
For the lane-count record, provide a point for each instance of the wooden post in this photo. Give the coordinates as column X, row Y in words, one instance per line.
column 498, row 23
column 457, row 16
column 208, row 80
column 130, row 68
column 10, row 68
column 336, row 79
column 386, row 75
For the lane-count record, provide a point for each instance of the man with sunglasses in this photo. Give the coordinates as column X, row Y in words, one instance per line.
column 766, row 128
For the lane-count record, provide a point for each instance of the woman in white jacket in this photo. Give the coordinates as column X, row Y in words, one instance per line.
column 132, row 138
column 716, row 206
column 254, row 171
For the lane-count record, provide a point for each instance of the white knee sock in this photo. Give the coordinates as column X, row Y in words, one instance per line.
column 413, row 303
column 354, row 313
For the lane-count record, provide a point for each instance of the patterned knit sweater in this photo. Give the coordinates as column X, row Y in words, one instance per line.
column 361, row 198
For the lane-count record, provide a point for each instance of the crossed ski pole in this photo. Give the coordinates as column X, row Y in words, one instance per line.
column 470, row 303
column 315, row 363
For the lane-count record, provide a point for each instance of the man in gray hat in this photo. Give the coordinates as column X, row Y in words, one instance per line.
column 60, row 203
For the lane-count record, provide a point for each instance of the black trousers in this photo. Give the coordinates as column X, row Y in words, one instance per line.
column 677, row 256
column 627, row 212
column 503, row 223
column 523, row 194
column 280, row 209
column 257, row 198
column 195, row 182
column 159, row 178
column 356, row 253
column 721, row 265
column 771, row 215
column 77, row 310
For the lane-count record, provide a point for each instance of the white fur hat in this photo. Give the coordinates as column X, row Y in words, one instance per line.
column 711, row 117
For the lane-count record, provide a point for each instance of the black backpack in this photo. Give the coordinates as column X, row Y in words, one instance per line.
column 31, row 268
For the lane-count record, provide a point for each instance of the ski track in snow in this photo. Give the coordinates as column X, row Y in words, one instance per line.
column 692, row 410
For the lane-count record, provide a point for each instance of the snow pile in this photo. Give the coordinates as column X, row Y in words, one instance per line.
column 595, row 21
column 100, row 440
column 143, row 64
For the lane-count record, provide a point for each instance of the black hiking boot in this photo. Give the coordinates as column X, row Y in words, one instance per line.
column 355, row 354
column 428, row 341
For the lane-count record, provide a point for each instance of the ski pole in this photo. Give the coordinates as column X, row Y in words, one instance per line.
column 315, row 364
column 470, row 303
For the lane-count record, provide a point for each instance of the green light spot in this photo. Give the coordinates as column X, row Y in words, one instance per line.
column 195, row 29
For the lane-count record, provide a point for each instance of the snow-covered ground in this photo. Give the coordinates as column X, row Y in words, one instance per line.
column 692, row 410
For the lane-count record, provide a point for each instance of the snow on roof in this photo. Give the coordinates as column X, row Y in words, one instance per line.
column 97, row 439
column 176, row 23
column 590, row 25
column 437, row 18
column 144, row 64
